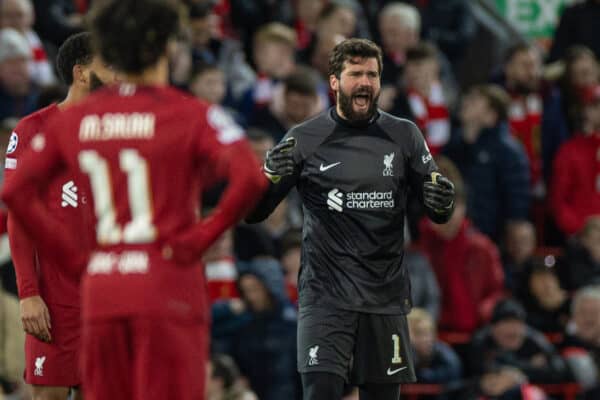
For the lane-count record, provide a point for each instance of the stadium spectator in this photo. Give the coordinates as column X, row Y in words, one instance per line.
column 399, row 28
column 337, row 18
column 300, row 102
column 261, row 334
column 253, row 242
column 291, row 250
column 519, row 247
column 226, row 53
column 260, row 141
column 435, row 361
column 18, row 15
column 581, row 72
column 502, row 383
column 224, row 380
column 535, row 112
column 56, row 20
column 208, row 83
column 424, row 287
column 546, row 303
column 279, row 222
column 12, row 356
column 220, row 269
column 581, row 344
column 274, row 56
column 576, row 26
column 307, row 15
column 18, row 94
column 248, row 17
column 509, row 342
column 576, row 170
column 449, row 24
column 427, row 100
column 466, row 264
column 493, row 164
column 580, row 265
column 317, row 53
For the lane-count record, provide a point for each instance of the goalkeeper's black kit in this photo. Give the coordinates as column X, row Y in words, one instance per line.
column 353, row 180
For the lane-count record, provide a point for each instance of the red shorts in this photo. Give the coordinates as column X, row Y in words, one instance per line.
column 56, row 363
column 144, row 358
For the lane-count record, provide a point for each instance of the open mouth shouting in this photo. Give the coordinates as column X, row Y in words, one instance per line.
column 361, row 101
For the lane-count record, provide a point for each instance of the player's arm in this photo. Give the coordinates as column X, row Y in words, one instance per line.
column 23, row 196
column 280, row 168
column 35, row 316
column 222, row 143
column 34, row 312
column 435, row 190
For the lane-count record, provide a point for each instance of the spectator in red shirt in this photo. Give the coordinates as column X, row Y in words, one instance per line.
column 535, row 113
column 19, row 15
column 467, row 264
column 427, row 98
column 576, row 173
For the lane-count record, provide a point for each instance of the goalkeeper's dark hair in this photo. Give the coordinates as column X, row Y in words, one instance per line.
column 76, row 50
column 132, row 35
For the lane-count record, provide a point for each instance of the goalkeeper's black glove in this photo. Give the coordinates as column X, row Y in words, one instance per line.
column 280, row 161
column 438, row 194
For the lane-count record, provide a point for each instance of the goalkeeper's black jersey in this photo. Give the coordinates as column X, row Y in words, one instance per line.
column 353, row 181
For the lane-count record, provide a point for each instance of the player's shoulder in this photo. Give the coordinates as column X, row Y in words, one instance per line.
column 396, row 125
column 210, row 118
column 311, row 133
column 33, row 122
column 321, row 124
column 29, row 126
column 185, row 101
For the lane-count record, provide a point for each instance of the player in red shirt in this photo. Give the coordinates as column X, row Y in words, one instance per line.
column 140, row 150
column 50, row 303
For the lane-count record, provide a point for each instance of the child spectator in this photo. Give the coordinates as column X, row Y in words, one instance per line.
column 435, row 361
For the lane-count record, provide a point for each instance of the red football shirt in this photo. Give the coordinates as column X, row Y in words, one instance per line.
column 37, row 273
column 142, row 152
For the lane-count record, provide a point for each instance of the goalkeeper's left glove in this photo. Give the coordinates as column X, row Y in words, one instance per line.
column 438, row 194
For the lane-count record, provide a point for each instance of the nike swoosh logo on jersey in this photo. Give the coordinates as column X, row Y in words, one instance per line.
column 395, row 371
column 326, row 167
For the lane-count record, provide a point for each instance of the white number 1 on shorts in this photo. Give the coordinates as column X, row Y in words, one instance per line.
column 396, row 359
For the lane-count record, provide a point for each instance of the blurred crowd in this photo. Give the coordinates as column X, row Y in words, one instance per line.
column 516, row 271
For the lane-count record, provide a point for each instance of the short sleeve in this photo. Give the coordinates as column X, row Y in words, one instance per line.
column 224, row 130
column 17, row 143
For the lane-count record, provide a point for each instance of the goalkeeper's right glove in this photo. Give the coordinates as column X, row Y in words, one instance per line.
column 279, row 161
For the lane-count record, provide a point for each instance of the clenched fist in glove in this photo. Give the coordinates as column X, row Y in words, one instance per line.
column 438, row 196
column 280, row 161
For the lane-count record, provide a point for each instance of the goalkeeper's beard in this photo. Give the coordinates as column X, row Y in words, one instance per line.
column 345, row 103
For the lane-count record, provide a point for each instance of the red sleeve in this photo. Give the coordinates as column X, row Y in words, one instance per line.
column 21, row 246
column 222, row 143
column 567, row 218
column 22, row 194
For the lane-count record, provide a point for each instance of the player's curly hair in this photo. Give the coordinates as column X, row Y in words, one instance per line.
column 132, row 35
column 350, row 48
column 76, row 50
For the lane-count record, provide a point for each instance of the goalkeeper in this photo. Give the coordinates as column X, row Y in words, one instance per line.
column 353, row 166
